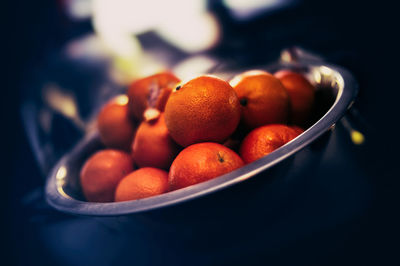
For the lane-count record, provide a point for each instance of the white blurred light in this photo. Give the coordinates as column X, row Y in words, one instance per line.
column 249, row 4
column 79, row 9
column 243, row 9
column 191, row 33
column 185, row 24
column 194, row 66
column 137, row 16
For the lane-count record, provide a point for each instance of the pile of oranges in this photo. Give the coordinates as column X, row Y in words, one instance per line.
column 164, row 135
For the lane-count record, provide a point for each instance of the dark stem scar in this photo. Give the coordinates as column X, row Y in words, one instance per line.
column 243, row 101
column 220, row 157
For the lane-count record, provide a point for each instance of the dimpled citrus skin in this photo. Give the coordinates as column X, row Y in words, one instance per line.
column 142, row 183
column 153, row 146
column 201, row 162
column 102, row 172
column 264, row 140
column 264, row 100
column 152, row 91
column 116, row 129
column 205, row 108
column 301, row 93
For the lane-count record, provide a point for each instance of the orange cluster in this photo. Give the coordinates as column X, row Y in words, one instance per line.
column 164, row 135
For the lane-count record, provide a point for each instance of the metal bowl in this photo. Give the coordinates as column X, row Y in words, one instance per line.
column 267, row 182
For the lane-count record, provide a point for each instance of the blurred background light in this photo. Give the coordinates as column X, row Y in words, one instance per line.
column 242, row 10
column 78, row 9
column 186, row 25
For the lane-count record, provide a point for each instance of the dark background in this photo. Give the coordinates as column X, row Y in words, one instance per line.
column 357, row 35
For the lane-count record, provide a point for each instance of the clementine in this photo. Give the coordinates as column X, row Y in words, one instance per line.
column 205, row 108
column 264, row 140
column 298, row 129
column 102, row 172
column 153, row 146
column 301, row 94
column 115, row 127
column 142, row 183
column 263, row 98
column 152, row 91
column 201, row 162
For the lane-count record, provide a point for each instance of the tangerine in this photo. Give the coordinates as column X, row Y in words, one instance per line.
column 102, row 172
column 152, row 91
column 115, row 127
column 263, row 98
column 301, row 94
column 298, row 129
column 205, row 108
column 264, row 140
column 201, row 162
column 153, row 146
column 142, row 183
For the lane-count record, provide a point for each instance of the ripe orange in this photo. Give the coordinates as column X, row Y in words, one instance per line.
column 263, row 98
column 200, row 162
column 153, row 146
column 152, row 91
column 264, row 140
column 298, row 129
column 205, row 108
column 115, row 127
column 142, row 183
column 302, row 95
column 102, row 172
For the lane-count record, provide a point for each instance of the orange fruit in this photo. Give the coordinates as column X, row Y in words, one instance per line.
column 153, row 146
column 201, row 162
column 102, row 172
column 301, row 93
column 298, row 129
column 264, row 140
column 115, row 127
column 205, row 108
column 142, row 183
column 263, row 98
column 152, row 91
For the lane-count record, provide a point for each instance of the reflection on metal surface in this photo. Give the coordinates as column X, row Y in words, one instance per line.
column 317, row 77
column 61, row 173
column 62, row 193
column 338, row 82
column 325, row 71
column 60, row 180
